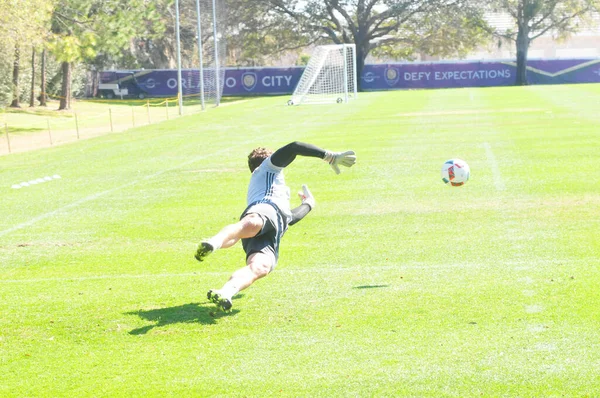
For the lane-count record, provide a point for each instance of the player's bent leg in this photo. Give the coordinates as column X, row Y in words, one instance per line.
column 244, row 277
column 258, row 266
column 247, row 227
column 251, row 225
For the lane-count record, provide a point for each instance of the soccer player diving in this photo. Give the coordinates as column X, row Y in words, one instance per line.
column 267, row 215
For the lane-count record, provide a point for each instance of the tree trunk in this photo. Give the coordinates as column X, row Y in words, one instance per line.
column 361, row 54
column 95, row 83
column 65, row 96
column 522, row 50
column 43, row 95
column 15, row 102
column 32, row 97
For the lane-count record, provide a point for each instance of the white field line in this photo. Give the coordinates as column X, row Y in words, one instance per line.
column 228, row 272
column 101, row 277
column 109, row 191
column 472, row 112
column 498, row 183
column 90, row 198
column 100, row 194
column 516, row 265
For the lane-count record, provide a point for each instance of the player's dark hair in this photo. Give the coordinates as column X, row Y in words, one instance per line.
column 257, row 156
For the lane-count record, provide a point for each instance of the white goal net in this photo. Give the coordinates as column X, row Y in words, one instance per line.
column 329, row 77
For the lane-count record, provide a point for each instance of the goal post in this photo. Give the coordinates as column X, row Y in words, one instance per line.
column 211, row 20
column 329, row 76
column 201, row 71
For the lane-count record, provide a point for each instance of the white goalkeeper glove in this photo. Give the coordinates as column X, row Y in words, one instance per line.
column 307, row 197
column 335, row 159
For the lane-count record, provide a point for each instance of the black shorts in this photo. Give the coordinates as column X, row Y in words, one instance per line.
column 268, row 239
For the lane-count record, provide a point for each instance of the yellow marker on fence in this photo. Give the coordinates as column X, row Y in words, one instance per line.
column 148, row 110
column 110, row 117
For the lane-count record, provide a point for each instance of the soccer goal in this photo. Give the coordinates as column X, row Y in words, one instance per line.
column 329, row 77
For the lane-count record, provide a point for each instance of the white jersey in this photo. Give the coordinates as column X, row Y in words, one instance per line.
column 268, row 184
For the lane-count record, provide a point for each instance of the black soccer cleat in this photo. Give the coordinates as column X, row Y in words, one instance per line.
column 222, row 302
column 204, row 249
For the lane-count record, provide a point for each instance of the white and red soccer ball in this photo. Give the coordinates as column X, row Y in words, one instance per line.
column 455, row 172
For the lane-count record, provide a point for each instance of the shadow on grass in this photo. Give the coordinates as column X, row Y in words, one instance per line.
column 203, row 313
column 370, row 286
column 40, row 111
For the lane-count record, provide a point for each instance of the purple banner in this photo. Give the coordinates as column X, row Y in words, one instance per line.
column 246, row 81
column 477, row 74
column 269, row 81
column 261, row 81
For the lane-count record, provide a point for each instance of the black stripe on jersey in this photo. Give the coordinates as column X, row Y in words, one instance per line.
column 269, row 187
column 280, row 232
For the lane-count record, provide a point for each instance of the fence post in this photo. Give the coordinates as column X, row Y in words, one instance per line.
column 133, row 116
column 76, row 125
column 148, row 110
column 7, row 139
column 49, row 132
column 110, row 117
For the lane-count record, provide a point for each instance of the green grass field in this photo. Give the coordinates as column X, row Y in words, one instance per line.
column 395, row 284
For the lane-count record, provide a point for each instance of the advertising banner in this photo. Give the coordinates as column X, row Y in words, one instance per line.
column 272, row 81
column 477, row 74
column 242, row 81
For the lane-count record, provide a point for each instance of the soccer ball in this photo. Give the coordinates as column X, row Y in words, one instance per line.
column 455, row 172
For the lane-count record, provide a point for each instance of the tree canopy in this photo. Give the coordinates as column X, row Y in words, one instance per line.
column 95, row 32
column 22, row 26
column 400, row 28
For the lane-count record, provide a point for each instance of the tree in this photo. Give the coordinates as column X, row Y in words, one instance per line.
column 255, row 33
column 83, row 30
column 534, row 18
column 22, row 24
column 396, row 27
column 16, row 67
column 32, row 93
column 43, row 88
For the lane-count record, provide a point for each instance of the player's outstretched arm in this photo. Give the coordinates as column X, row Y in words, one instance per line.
column 286, row 155
column 308, row 203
